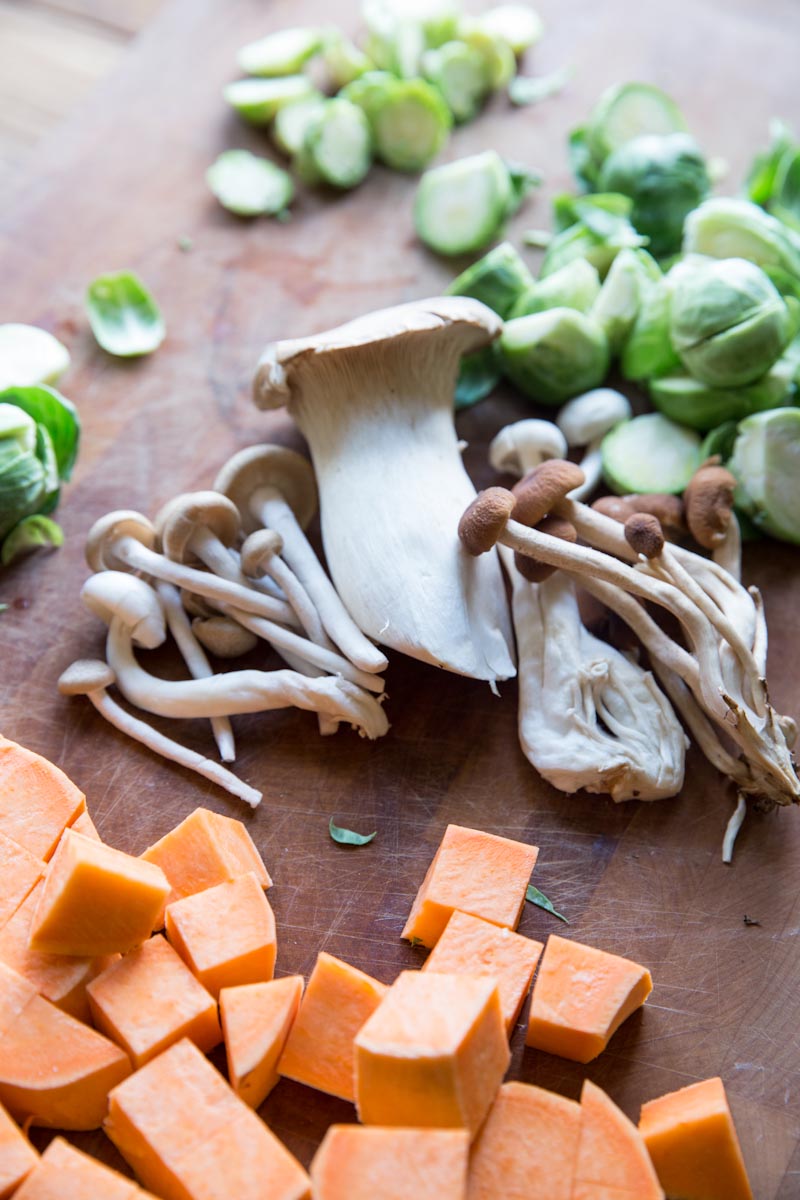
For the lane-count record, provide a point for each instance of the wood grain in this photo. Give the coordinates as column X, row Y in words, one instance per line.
column 117, row 187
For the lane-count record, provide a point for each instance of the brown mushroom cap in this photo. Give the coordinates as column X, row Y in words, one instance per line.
column 530, row 568
column 542, row 488
column 223, row 636
column 483, row 522
column 644, row 534
column 258, row 549
column 196, row 605
column 709, row 504
column 269, row 466
column 181, row 518
column 668, row 509
column 108, row 530
column 86, row 675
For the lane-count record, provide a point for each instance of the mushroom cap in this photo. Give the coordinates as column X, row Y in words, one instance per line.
column 483, row 522
column 592, row 415
column 114, row 594
column 124, row 522
column 86, row 675
column 709, row 504
column 460, row 320
column 258, row 549
column 181, row 517
column 523, row 445
column 665, row 506
column 644, row 534
column 530, row 568
column 196, row 605
column 542, row 488
column 268, row 466
column 223, row 636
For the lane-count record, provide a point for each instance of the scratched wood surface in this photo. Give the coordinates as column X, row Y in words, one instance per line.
column 118, row 187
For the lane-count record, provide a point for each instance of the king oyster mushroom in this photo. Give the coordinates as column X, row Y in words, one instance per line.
column 374, row 399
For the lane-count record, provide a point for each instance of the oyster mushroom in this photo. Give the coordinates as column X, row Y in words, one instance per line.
column 374, row 399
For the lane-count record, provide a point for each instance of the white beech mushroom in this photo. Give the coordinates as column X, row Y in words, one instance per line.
column 129, row 607
column 374, row 399
column 92, row 678
column 200, row 529
column 261, row 555
column 222, row 636
column 275, row 488
column 585, row 421
column 523, row 445
column 726, row 684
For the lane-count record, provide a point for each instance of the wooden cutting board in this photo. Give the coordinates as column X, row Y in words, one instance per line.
column 118, row 187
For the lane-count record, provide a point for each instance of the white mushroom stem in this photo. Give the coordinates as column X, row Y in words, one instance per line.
column 195, row 659
column 261, row 557
column 733, row 827
column 728, row 554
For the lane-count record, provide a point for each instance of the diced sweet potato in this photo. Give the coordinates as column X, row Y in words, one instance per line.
column 319, row 1052
column 20, row 871
column 96, row 900
column 17, row 1155
column 478, row 873
column 204, row 850
column 37, row 800
column 54, row 1070
column 150, row 999
column 527, row 1146
column 256, row 1019
column 611, row 1153
column 581, row 997
column 471, row 946
column 692, row 1141
column 433, row 1053
column 358, row 1163
column 65, row 1173
column 84, row 824
column 189, row 1137
column 225, row 934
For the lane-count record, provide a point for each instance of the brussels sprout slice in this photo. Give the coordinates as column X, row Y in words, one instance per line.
column 516, row 24
column 22, row 483
column 727, row 228
column 257, row 100
column 650, row 454
column 497, row 279
column 720, row 441
column 459, row 207
column 766, row 461
column 648, row 350
column 29, row 356
column 345, row 61
column 16, row 425
column 627, row 110
column 368, row 90
column 531, row 89
column 47, row 407
column 478, row 376
column 592, row 227
column 692, row 403
column 554, row 355
column 498, row 57
column 249, row 186
column 577, row 285
column 282, row 53
column 32, row 533
column 124, row 317
column 410, row 123
column 338, row 144
column 459, row 72
column 292, row 121
column 630, row 277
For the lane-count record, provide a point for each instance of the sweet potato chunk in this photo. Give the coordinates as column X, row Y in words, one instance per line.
column 581, row 997
column 337, row 1002
column 692, row 1141
column 96, row 900
column 478, row 873
column 17, row 1155
column 256, row 1019
column 65, row 1173
column 225, row 934
column 611, row 1153
column 470, row 946
column 84, row 824
column 37, row 800
column 358, row 1163
column 433, row 1053
column 527, row 1146
column 20, row 871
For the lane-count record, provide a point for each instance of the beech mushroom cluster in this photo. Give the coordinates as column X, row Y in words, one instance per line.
column 193, row 574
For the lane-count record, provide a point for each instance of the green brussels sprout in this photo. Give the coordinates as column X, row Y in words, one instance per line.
column 554, row 355
column 728, row 322
column 648, row 350
column 773, row 180
column 727, row 228
column 720, row 441
column 460, row 73
column 684, row 399
column 665, row 177
column 22, row 475
column 497, row 279
column 577, row 285
column 631, row 276
column 626, row 111
column 766, row 461
column 592, row 227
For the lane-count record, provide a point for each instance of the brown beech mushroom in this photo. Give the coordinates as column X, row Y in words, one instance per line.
column 669, row 510
column 374, row 399
column 710, row 516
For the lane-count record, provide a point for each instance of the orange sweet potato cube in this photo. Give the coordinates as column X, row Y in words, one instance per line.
column 37, row 800
column 478, row 873
column 84, row 824
column 226, row 934
column 17, row 1155
column 189, row 1137
column 66, row 1173
column 319, row 1051
column 20, row 871
column 256, row 1019
column 433, row 1053
column 692, row 1141
column 96, row 900
column 527, row 1146
column 149, row 999
column 204, row 850
column 612, row 1158
column 581, row 997
column 471, row 946
column 356, row 1162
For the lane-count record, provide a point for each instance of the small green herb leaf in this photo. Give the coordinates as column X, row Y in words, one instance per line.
column 3, row 607
column 523, row 89
column 415, row 941
column 30, row 534
column 347, row 837
column 124, row 317
column 540, row 900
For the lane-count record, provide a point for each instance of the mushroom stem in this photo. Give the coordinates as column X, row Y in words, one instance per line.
column 592, row 466
column 699, row 725
column 195, row 659
column 728, row 554
column 260, row 559
column 733, row 827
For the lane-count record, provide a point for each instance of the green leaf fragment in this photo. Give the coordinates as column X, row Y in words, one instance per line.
column 534, row 896
column 58, row 415
column 348, row 837
column 526, row 89
column 32, row 533
column 249, row 186
column 124, row 317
